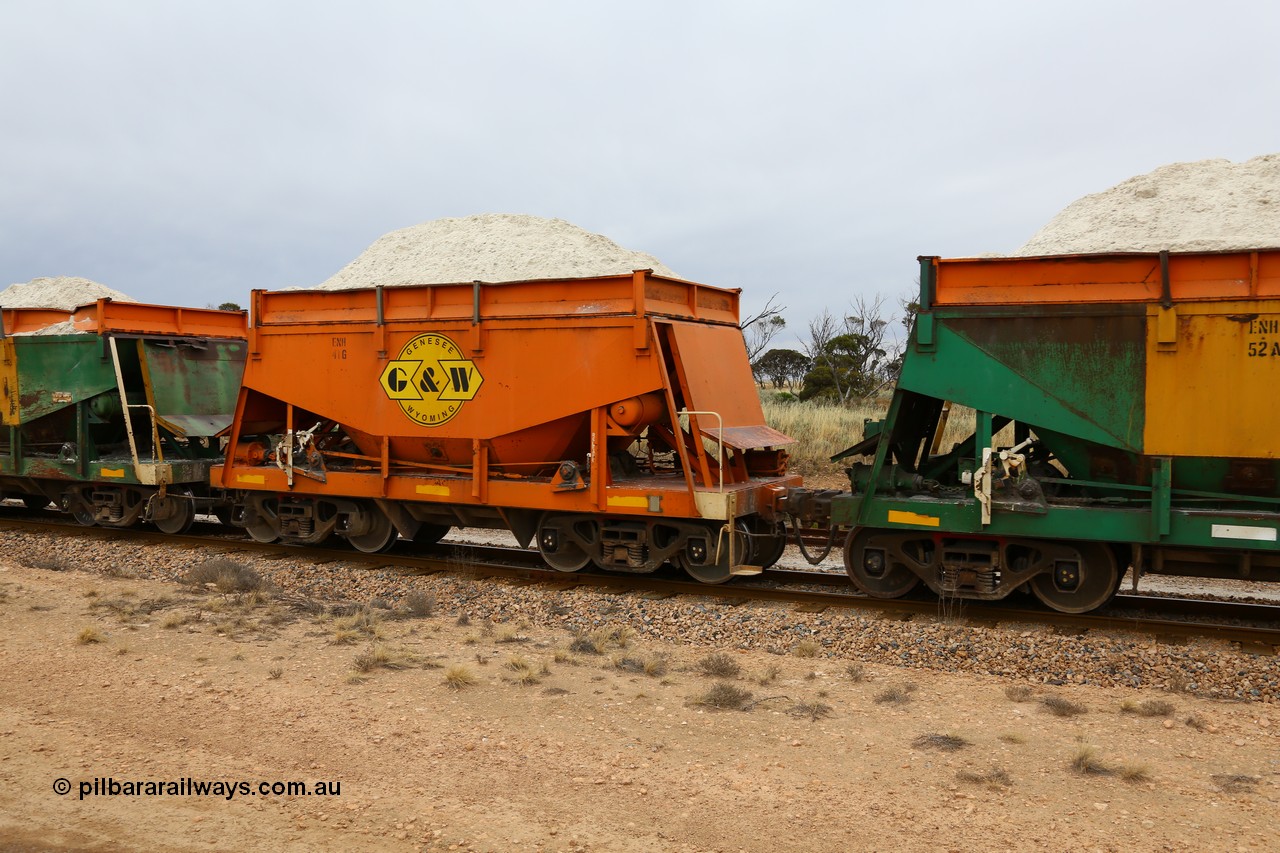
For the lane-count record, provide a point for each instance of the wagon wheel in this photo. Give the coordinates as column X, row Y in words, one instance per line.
column 1078, row 587
column 704, row 565
column 768, row 543
column 79, row 510
column 430, row 534
column 381, row 535
column 559, row 546
column 262, row 530
column 876, row 561
column 178, row 511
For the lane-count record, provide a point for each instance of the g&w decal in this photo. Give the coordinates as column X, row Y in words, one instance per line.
column 430, row 379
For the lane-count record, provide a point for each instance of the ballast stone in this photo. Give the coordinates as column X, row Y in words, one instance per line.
column 489, row 247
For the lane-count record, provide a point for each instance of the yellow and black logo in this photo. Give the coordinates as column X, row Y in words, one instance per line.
column 430, row 379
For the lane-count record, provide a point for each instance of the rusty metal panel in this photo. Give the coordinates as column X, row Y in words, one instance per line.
column 8, row 383
column 193, row 388
column 1211, row 386
column 750, row 438
column 718, row 374
column 50, row 373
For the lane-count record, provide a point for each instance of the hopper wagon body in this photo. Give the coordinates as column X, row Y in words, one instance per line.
column 112, row 410
column 1059, row 419
column 612, row 420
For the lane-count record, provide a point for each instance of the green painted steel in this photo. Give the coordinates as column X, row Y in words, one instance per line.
column 57, row 370
column 1076, row 374
column 1074, row 377
column 194, row 388
column 66, row 421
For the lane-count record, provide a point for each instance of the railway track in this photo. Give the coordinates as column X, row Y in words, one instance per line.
column 1255, row 626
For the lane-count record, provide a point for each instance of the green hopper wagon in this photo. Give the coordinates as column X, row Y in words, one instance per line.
column 1061, row 419
column 112, row 411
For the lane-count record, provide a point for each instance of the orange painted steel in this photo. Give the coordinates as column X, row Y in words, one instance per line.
column 18, row 321
column 106, row 316
column 1111, row 278
column 475, row 394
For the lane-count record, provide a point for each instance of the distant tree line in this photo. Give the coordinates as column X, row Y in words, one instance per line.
column 844, row 358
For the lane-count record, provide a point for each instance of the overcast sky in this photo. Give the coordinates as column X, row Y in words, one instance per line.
column 188, row 153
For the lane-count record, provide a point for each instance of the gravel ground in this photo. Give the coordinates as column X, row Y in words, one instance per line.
column 1206, row 667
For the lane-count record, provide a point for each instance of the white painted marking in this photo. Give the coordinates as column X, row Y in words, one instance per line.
column 1240, row 531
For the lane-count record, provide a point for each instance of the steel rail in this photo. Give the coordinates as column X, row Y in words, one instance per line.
column 526, row 565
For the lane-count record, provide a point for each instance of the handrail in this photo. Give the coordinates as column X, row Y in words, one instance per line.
column 157, row 455
column 719, row 440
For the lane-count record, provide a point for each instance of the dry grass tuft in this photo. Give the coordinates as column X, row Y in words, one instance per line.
column 275, row 672
column 524, row 672
column 1134, row 773
column 510, row 635
column 379, row 656
column 1012, row 737
column 175, row 620
column 1197, row 722
column 996, row 777
column 807, row 648
column 365, row 622
column 1060, row 706
column 896, row 694
column 725, row 696
column 1147, row 707
column 770, row 674
column 942, row 742
column 719, row 665
column 88, row 636
column 55, row 563
column 602, row 640
column 1235, row 783
column 419, row 604
column 1087, row 761
column 126, row 609
column 1020, row 692
column 458, row 676
column 656, row 666
column 225, row 575
column 856, row 672
column 821, row 430
column 344, row 637
column 813, row 710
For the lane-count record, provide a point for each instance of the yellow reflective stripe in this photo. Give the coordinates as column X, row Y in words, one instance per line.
column 439, row 491
column 900, row 517
column 112, row 472
column 641, row 502
column 260, row 479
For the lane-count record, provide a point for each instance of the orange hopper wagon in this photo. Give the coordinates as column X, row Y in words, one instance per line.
column 612, row 420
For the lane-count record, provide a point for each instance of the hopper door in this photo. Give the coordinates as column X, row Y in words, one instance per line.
column 716, row 377
column 193, row 386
